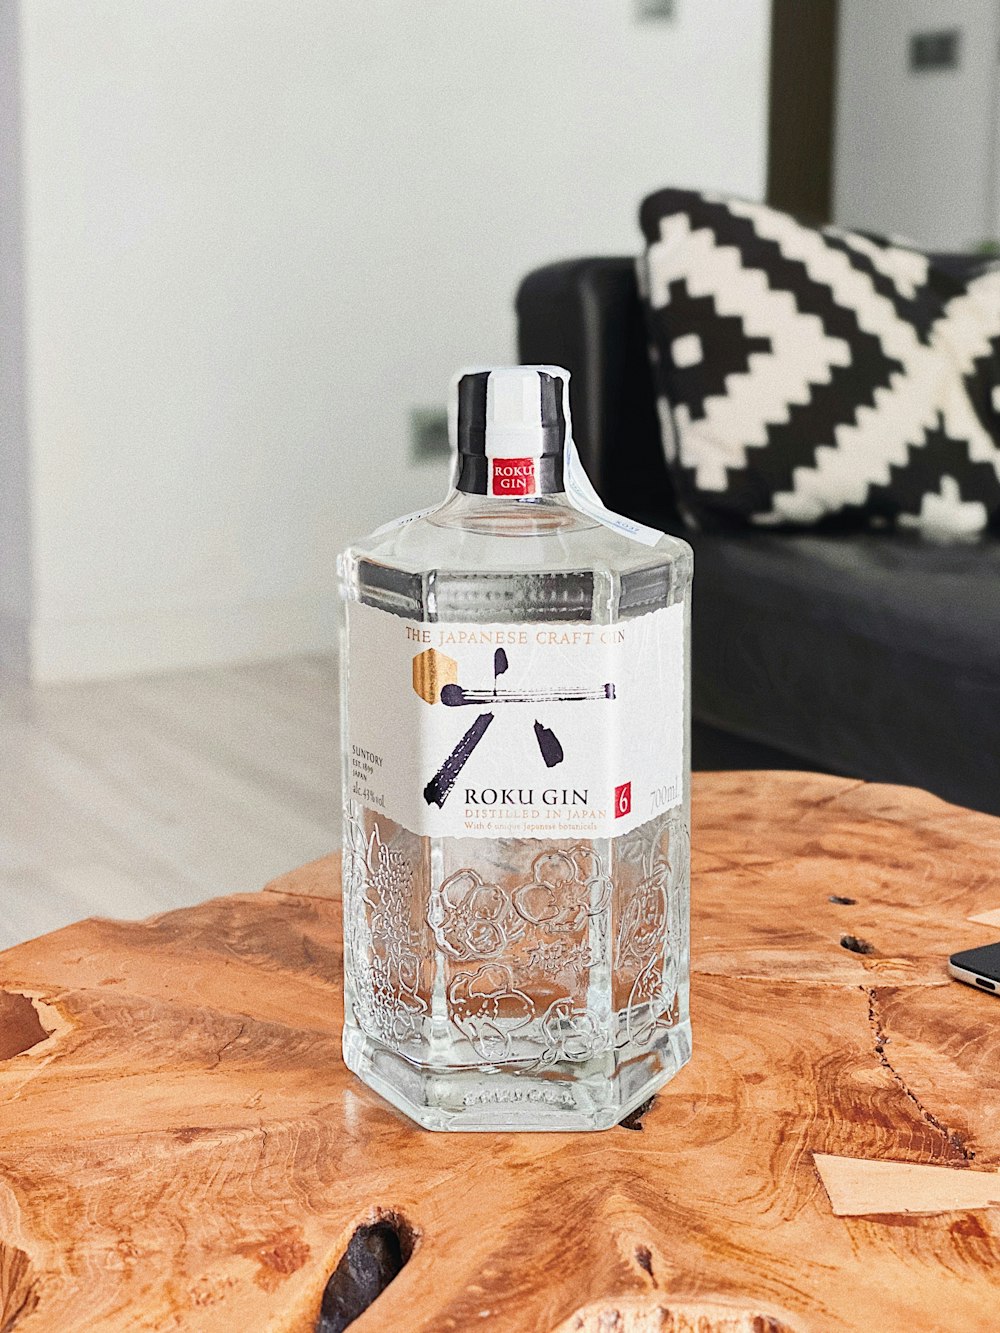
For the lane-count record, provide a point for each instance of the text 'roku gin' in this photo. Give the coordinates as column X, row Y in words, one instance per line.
column 516, row 787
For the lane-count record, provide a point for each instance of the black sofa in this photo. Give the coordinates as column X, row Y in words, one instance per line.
column 871, row 655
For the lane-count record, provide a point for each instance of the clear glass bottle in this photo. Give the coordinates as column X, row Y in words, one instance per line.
column 516, row 789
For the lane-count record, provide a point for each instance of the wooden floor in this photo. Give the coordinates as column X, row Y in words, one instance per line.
column 129, row 797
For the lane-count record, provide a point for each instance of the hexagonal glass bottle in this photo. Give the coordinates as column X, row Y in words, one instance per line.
column 516, row 787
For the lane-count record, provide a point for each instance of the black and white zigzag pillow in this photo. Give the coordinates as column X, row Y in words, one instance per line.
column 820, row 377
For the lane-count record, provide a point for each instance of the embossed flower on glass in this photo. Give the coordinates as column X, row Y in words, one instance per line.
column 470, row 918
column 387, row 1001
column 566, row 888
column 650, row 1003
column 571, row 1033
column 489, row 1009
column 389, row 876
column 355, row 852
column 642, row 933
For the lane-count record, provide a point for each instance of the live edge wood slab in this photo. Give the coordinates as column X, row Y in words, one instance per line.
column 182, row 1148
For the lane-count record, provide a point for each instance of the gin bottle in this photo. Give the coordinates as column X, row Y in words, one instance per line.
column 516, row 787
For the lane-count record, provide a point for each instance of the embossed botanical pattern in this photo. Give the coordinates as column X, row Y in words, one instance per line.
column 487, row 1007
column 471, row 919
column 651, row 938
column 566, row 888
column 383, row 949
column 553, row 955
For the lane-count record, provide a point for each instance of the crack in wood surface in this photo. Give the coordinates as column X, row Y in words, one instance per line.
column 635, row 1118
column 18, row 1289
column 644, row 1258
column 28, row 1302
column 376, row 1254
column 226, row 1045
column 856, row 945
column 881, row 1040
column 834, row 796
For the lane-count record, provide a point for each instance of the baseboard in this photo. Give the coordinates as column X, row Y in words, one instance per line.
column 93, row 648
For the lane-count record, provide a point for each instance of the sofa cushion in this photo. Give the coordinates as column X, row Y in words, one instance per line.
column 820, row 377
column 865, row 656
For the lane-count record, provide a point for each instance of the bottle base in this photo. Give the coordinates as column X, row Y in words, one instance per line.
column 563, row 1097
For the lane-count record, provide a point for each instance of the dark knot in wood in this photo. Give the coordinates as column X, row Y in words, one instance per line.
column 375, row 1254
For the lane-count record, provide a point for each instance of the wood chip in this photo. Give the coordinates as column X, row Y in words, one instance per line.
column 991, row 918
column 858, row 1186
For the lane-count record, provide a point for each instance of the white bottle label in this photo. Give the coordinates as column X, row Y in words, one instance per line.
column 516, row 730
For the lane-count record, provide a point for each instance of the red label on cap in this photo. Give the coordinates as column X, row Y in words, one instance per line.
column 512, row 476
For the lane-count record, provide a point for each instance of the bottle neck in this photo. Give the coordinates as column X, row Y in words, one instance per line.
column 510, row 478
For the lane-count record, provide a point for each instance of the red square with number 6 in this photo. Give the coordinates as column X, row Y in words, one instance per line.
column 623, row 800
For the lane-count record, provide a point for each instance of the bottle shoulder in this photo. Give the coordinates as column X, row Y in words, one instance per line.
column 515, row 538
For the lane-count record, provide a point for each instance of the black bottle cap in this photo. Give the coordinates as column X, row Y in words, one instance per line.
column 511, row 413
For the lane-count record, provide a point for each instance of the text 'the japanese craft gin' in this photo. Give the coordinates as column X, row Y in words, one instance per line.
column 516, row 786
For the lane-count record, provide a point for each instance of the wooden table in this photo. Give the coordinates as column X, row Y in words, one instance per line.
column 182, row 1148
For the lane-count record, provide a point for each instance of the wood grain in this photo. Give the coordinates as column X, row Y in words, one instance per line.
column 185, row 1151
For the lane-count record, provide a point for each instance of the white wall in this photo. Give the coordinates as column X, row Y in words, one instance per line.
column 916, row 153
column 15, row 499
column 260, row 230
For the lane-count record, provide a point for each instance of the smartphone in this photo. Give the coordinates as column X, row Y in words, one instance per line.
column 978, row 967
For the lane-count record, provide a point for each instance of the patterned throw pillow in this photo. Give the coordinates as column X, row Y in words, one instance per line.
column 820, row 377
